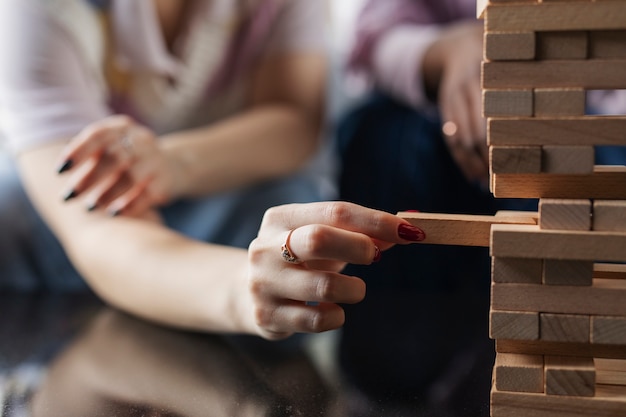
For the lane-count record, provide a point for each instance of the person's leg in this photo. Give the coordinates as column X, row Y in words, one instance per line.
column 426, row 305
column 31, row 258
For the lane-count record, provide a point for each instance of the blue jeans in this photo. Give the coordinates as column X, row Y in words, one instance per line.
column 31, row 258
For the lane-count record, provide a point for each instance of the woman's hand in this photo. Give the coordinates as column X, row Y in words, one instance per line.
column 303, row 296
column 459, row 54
column 116, row 164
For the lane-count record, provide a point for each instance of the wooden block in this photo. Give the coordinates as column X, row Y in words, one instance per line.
column 566, row 131
column 517, row 270
column 526, row 241
column 559, row 102
column 518, row 213
column 605, row 183
column 564, row 327
column 607, row 44
column 568, row 375
column 609, row 215
column 541, row 347
column 599, row 300
column 562, row 45
column 513, row 325
column 505, row 46
column 565, row 214
column 568, row 159
column 610, row 371
column 556, row 272
column 481, row 5
column 515, row 159
column 519, row 373
column 590, row 74
column 609, row 330
column 567, row 16
column 508, row 103
column 459, row 229
column 608, row 402
column 609, row 271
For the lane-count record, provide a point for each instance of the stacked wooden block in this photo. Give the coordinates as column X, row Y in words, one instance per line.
column 558, row 308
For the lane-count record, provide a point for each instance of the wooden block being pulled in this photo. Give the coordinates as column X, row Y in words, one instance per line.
column 605, row 183
column 590, row 74
column 562, row 45
column 609, row 215
column 505, row 46
column 508, row 103
column 459, row 229
column 519, row 373
column 513, row 325
column 517, row 270
column 541, row 347
column 565, row 214
column 527, row 241
column 564, row 327
column 556, row 16
column 558, row 272
column 559, row 159
column 610, row 371
column 603, row 298
column 609, row 330
column 559, row 102
column 607, row 44
column 609, row 271
column 515, row 159
column 564, row 131
column 608, row 402
column 569, row 375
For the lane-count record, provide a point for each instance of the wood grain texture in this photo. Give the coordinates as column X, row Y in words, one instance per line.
column 562, row 45
column 609, row 215
column 459, row 229
column 600, row 299
column 559, row 159
column 513, row 325
column 515, row 159
column 608, row 402
column 556, row 16
column 558, row 272
column 517, row 270
column 541, row 347
column 559, row 102
column 609, row 330
column 527, row 241
column 519, row 373
column 563, row 131
column 590, row 74
column 508, row 103
column 505, row 46
column 610, row 371
column 605, row 183
column 565, row 214
column 564, row 327
column 569, row 375
column 609, row 271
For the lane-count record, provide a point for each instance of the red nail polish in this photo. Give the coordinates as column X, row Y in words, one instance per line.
column 411, row 233
column 377, row 254
column 412, row 211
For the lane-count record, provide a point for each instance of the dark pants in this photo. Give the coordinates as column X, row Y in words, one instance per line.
column 421, row 334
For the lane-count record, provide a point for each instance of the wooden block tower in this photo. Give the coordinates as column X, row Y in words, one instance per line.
column 558, row 306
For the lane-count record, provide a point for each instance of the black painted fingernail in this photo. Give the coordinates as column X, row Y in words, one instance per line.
column 92, row 207
column 66, row 165
column 71, row 194
column 115, row 213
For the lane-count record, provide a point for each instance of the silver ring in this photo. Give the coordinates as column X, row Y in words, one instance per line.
column 126, row 142
column 287, row 254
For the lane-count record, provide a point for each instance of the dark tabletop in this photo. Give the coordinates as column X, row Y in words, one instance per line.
column 69, row 355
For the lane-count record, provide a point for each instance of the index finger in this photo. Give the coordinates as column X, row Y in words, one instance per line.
column 376, row 224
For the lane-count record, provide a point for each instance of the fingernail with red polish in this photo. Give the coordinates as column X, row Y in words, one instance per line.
column 377, row 254
column 411, row 233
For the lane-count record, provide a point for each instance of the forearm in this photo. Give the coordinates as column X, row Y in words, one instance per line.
column 138, row 264
column 265, row 142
